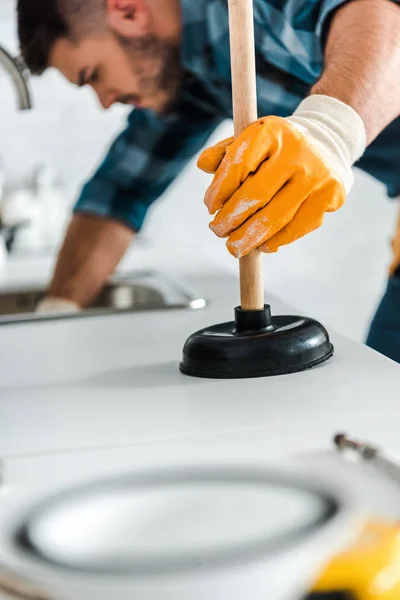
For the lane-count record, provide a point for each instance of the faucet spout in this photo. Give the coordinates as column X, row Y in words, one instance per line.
column 17, row 71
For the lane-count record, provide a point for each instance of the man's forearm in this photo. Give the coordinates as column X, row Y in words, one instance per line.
column 91, row 250
column 362, row 62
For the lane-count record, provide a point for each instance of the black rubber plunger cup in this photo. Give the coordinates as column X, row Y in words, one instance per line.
column 254, row 344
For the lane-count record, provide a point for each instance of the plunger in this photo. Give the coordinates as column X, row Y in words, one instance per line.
column 255, row 344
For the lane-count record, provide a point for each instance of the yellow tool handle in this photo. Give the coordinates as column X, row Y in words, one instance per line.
column 369, row 569
column 331, row 596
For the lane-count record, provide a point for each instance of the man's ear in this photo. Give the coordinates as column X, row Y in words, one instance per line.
column 128, row 18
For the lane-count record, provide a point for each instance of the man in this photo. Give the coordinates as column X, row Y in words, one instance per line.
column 328, row 85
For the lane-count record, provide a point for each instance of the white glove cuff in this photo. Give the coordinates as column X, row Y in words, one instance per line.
column 57, row 305
column 335, row 129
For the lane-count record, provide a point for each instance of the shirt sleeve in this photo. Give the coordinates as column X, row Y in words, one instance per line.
column 291, row 34
column 144, row 160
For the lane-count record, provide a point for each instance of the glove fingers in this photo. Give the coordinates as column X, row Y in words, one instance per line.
column 210, row 159
column 253, row 195
column 309, row 216
column 268, row 221
column 336, row 194
column 242, row 157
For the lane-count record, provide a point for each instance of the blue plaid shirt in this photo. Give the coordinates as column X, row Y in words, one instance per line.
column 153, row 149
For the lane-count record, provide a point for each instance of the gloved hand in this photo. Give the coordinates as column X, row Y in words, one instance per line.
column 395, row 263
column 276, row 181
column 52, row 305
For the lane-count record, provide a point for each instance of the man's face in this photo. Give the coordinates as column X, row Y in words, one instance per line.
column 142, row 71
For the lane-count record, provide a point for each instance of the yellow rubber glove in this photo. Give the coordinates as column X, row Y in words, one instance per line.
column 395, row 249
column 276, row 181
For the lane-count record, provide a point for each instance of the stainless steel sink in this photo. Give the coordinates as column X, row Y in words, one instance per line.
column 137, row 291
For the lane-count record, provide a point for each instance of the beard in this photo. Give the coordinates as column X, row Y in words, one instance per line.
column 157, row 66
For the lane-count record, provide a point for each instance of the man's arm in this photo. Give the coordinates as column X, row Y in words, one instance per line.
column 362, row 62
column 301, row 166
column 92, row 248
column 141, row 164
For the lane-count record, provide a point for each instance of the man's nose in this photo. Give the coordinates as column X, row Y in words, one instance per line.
column 106, row 100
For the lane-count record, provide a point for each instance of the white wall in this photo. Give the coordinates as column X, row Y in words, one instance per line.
column 335, row 274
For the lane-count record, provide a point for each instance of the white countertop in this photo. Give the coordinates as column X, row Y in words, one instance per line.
column 98, row 386
column 85, row 398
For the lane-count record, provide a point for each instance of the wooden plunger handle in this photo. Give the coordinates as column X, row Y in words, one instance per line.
column 244, row 93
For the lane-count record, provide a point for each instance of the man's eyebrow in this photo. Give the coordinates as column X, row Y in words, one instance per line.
column 82, row 77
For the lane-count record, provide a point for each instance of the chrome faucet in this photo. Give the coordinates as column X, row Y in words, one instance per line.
column 17, row 71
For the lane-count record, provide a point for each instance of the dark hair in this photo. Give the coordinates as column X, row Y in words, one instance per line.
column 41, row 24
